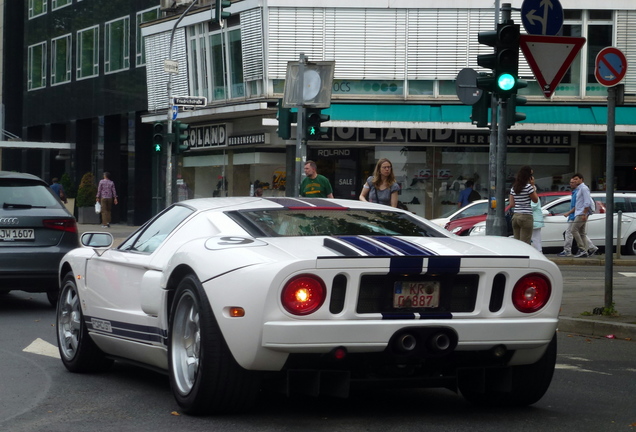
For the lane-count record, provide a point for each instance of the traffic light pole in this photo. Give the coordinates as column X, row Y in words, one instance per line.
column 301, row 139
column 500, row 227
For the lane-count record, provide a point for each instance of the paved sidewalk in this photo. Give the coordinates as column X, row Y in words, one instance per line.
column 573, row 305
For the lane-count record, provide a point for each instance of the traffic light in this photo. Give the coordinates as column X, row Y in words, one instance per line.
column 219, row 13
column 504, row 61
column 313, row 119
column 181, row 136
column 285, row 118
column 512, row 115
column 158, row 136
column 479, row 116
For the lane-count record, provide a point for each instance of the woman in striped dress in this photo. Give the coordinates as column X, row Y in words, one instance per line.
column 521, row 194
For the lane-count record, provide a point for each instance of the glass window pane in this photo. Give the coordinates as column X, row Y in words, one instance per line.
column 236, row 64
column 217, row 66
column 142, row 17
column 117, row 47
column 598, row 37
column 37, row 61
column 87, row 53
column 61, row 60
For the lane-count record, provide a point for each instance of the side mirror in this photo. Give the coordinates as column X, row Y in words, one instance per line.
column 99, row 240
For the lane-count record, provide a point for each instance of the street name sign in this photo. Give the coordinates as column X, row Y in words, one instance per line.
column 550, row 57
column 171, row 66
column 611, row 66
column 190, row 101
column 542, row 17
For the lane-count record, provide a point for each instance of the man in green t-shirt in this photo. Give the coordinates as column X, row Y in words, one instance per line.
column 315, row 185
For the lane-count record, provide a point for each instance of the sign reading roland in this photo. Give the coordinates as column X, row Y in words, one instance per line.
column 190, row 101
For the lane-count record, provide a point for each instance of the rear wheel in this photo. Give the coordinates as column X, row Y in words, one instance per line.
column 78, row 351
column 631, row 245
column 529, row 383
column 204, row 376
column 52, row 296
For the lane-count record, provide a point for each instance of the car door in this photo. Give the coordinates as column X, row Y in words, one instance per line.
column 124, row 284
column 555, row 222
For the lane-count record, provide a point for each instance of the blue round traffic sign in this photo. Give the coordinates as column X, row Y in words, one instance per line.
column 542, row 17
column 611, row 66
column 175, row 112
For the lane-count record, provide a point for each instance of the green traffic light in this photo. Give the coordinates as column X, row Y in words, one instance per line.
column 506, row 82
column 157, row 147
column 312, row 131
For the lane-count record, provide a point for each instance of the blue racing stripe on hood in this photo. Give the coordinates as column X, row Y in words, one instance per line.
column 406, row 247
column 447, row 265
column 367, row 246
column 406, row 264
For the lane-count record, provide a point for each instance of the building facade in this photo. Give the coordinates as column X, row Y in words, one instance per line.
column 75, row 73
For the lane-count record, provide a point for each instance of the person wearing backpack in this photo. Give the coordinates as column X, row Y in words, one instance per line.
column 468, row 195
column 583, row 207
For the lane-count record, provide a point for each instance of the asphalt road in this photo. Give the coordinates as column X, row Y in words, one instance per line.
column 593, row 390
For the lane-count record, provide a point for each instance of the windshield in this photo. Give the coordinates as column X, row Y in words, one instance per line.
column 20, row 193
column 327, row 222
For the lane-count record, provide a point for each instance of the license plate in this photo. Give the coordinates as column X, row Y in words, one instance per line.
column 13, row 234
column 407, row 294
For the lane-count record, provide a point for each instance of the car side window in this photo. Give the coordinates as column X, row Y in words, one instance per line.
column 560, row 208
column 153, row 234
column 473, row 210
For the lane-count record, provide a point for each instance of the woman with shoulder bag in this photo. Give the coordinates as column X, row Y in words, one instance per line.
column 381, row 187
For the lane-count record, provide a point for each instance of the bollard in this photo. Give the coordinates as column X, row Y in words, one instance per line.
column 619, row 240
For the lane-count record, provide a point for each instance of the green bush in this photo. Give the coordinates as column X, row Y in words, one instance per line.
column 69, row 187
column 87, row 191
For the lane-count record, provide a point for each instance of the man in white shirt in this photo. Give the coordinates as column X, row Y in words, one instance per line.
column 582, row 209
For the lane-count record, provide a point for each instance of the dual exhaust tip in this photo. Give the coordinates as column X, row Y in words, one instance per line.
column 432, row 342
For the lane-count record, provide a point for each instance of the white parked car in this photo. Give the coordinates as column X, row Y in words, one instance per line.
column 475, row 208
column 311, row 296
column 556, row 223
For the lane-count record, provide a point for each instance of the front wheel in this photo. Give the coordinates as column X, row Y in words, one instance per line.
column 78, row 351
column 204, row 376
column 630, row 246
column 529, row 383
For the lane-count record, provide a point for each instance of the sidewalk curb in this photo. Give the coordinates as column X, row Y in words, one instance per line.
column 597, row 328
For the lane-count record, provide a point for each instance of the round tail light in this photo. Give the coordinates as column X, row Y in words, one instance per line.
column 303, row 294
column 531, row 293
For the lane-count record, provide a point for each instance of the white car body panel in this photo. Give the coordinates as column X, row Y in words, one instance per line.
column 125, row 295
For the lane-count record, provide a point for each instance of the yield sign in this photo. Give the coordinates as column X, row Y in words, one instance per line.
column 550, row 57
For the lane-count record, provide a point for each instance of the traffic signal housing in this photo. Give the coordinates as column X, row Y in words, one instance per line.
column 285, row 118
column 219, row 14
column 181, row 135
column 313, row 119
column 512, row 115
column 504, row 61
column 481, row 109
column 158, row 136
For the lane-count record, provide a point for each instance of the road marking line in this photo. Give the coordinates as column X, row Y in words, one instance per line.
column 627, row 274
column 579, row 369
column 42, row 347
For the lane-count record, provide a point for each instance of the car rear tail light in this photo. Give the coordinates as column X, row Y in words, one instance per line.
column 303, row 294
column 67, row 225
column 531, row 293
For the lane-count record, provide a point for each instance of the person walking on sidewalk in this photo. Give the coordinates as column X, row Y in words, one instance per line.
column 583, row 208
column 522, row 194
column 315, row 185
column 567, row 246
column 106, row 196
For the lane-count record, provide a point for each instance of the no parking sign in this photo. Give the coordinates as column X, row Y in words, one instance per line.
column 611, row 66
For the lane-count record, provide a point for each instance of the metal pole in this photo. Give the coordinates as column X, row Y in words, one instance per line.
column 301, row 141
column 492, row 169
column 609, row 197
column 169, row 164
column 500, row 226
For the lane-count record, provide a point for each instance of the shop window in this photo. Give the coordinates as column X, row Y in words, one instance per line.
column 117, row 45
column 61, row 60
column 36, row 76
column 87, row 53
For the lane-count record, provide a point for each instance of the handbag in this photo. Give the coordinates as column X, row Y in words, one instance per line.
column 98, row 208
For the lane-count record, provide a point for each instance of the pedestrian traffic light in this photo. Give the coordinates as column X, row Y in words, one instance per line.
column 181, row 136
column 481, row 109
column 285, row 118
column 313, row 120
column 158, row 136
column 512, row 115
column 219, row 13
column 504, row 61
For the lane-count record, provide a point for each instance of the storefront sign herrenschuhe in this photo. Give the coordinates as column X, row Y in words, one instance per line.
column 520, row 139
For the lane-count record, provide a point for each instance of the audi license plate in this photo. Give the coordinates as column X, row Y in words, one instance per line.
column 407, row 294
column 13, row 234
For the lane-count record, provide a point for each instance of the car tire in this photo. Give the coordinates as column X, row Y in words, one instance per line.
column 77, row 350
column 529, row 383
column 204, row 376
column 52, row 296
column 630, row 246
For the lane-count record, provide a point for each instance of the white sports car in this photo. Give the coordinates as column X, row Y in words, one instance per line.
column 311, row 296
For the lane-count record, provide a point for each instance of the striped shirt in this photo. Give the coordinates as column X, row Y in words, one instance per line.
column 522, row 201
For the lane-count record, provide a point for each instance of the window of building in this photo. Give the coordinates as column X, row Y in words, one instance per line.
column 142, row 17
column 37, row 8
column 117, row 45
column 87, row 53
column 36, row 76
column 57, row 4
column 236, row 64
column 61, row 60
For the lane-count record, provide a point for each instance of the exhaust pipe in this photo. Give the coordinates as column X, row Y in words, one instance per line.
column 424, row 341
column 406, row 342
column 439, row 342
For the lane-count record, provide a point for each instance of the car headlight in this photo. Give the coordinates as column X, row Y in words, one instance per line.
column 456, row 230
column 478, row 230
